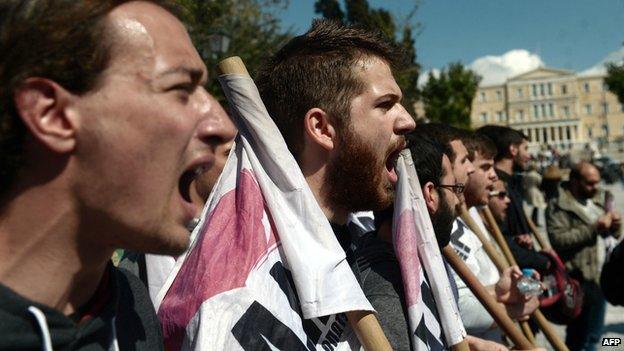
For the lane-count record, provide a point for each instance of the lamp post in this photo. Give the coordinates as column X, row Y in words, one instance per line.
column 219, row 44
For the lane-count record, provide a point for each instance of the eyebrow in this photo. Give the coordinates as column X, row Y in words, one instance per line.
column 196, row 74
column 392, row 96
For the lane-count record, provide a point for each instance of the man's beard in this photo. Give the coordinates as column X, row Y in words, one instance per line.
column 442, row 220
column 353, row 181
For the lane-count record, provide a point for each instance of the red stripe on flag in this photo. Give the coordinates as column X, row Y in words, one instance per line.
column 232, row 241
column 406, row 247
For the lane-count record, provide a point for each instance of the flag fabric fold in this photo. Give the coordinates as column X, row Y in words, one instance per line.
column 264, row 270
column 419, row 256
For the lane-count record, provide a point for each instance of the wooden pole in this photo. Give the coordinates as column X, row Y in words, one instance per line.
column 540, row 239
column 497, row 311
column 539, row 318
column 364, row 323
column 500, row 263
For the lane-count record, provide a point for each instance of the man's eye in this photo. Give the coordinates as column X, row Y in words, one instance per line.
column 185, row 87
column 386, row 104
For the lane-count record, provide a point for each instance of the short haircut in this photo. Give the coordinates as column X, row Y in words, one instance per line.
column 61, row 40
column 503, row 138
column 427, row 155
column 442, row 134
column 317, row 69
column 480, row 143
column 577, row 170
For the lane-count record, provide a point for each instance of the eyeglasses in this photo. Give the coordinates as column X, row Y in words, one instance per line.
column 458, row 188
column 499, row 194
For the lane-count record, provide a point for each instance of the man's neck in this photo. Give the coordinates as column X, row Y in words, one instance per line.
column 505, row 165
column 315, row 182
column 43, row 257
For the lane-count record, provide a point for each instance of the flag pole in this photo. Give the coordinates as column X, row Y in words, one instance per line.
column 540, row 239
column 500, row 262
column 364, row 323
column 496, row 311
column 537, row 315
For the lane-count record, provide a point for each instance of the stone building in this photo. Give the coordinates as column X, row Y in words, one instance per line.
column 553, row 107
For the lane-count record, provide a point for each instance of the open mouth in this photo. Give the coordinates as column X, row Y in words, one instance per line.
column 184, row 185
column 391, row 162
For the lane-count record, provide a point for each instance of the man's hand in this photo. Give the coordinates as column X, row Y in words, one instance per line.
column 604, row 222
column 506, row 290
column 478, row 344
column 522, row 311
column 524, row 240
column 616, row 220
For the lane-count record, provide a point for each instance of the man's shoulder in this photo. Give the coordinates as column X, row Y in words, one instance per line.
column 135, row 314
column 378, row 267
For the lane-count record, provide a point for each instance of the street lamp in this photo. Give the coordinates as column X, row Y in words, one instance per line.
column 219, row 44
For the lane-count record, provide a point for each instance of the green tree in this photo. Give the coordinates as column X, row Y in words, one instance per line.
column 252, row 26
column 615, row 80
column 358, row 12
column 448, row 98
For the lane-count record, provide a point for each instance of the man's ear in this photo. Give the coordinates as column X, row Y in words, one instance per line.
column 319, row 129
column 431, row 196
column 41, row 103
column 513, row 150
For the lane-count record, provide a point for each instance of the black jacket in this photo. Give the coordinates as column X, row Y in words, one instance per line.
column 612, row 279
column 127, row 307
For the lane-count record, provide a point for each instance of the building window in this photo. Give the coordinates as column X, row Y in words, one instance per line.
column 565, row 110
column 586, row 87
column 605, row 108
column 520, row 115
column 499, row 116
column 542, row 89
column 484, row 117
column 551, row 110
column 499, row 95
column 534, row 88
column 589, row 132
column 549, row 88
column 564, row 89
column 544, row 110
column 520, row 93
column 482, row 96
column 588, row 110
column 536, row 111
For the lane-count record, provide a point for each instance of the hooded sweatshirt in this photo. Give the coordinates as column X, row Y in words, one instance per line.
column 120, row 316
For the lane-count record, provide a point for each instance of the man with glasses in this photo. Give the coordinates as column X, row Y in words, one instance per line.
column 481, row 151
column 574, row 221
column 499, row 201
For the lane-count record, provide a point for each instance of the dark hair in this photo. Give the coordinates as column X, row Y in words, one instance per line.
column 62, row 40
column 503, row 138
column 577, row 169
column 475, row 142
column 427, row 155
column 442, row 134
column 316, row 69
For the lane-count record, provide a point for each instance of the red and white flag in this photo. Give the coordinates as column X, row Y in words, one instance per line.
column 434, row 324
column 264, row 262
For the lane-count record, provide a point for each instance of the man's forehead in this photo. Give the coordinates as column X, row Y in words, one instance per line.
column 143, row 30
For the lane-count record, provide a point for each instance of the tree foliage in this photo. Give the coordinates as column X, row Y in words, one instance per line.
column 615, row 80
column 358, row 12
column 448, row 97
column 252, row 26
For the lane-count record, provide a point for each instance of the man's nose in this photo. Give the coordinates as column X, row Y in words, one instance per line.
column 216, row 128
column 404, row 123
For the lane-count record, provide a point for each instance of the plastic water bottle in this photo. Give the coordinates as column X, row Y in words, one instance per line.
column 527, row 285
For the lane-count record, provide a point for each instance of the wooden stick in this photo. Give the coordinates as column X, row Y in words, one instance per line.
column 499, row 261
column 537, row 315
column 498, row 236
column 368, row 330
column 497, row 311
column 540, row 239
column 364, row 323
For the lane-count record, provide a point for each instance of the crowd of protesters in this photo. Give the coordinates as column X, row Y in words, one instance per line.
column 108, row 140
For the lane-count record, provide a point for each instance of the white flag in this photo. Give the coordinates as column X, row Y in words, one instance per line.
column 415, row 243
column 264, row 260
